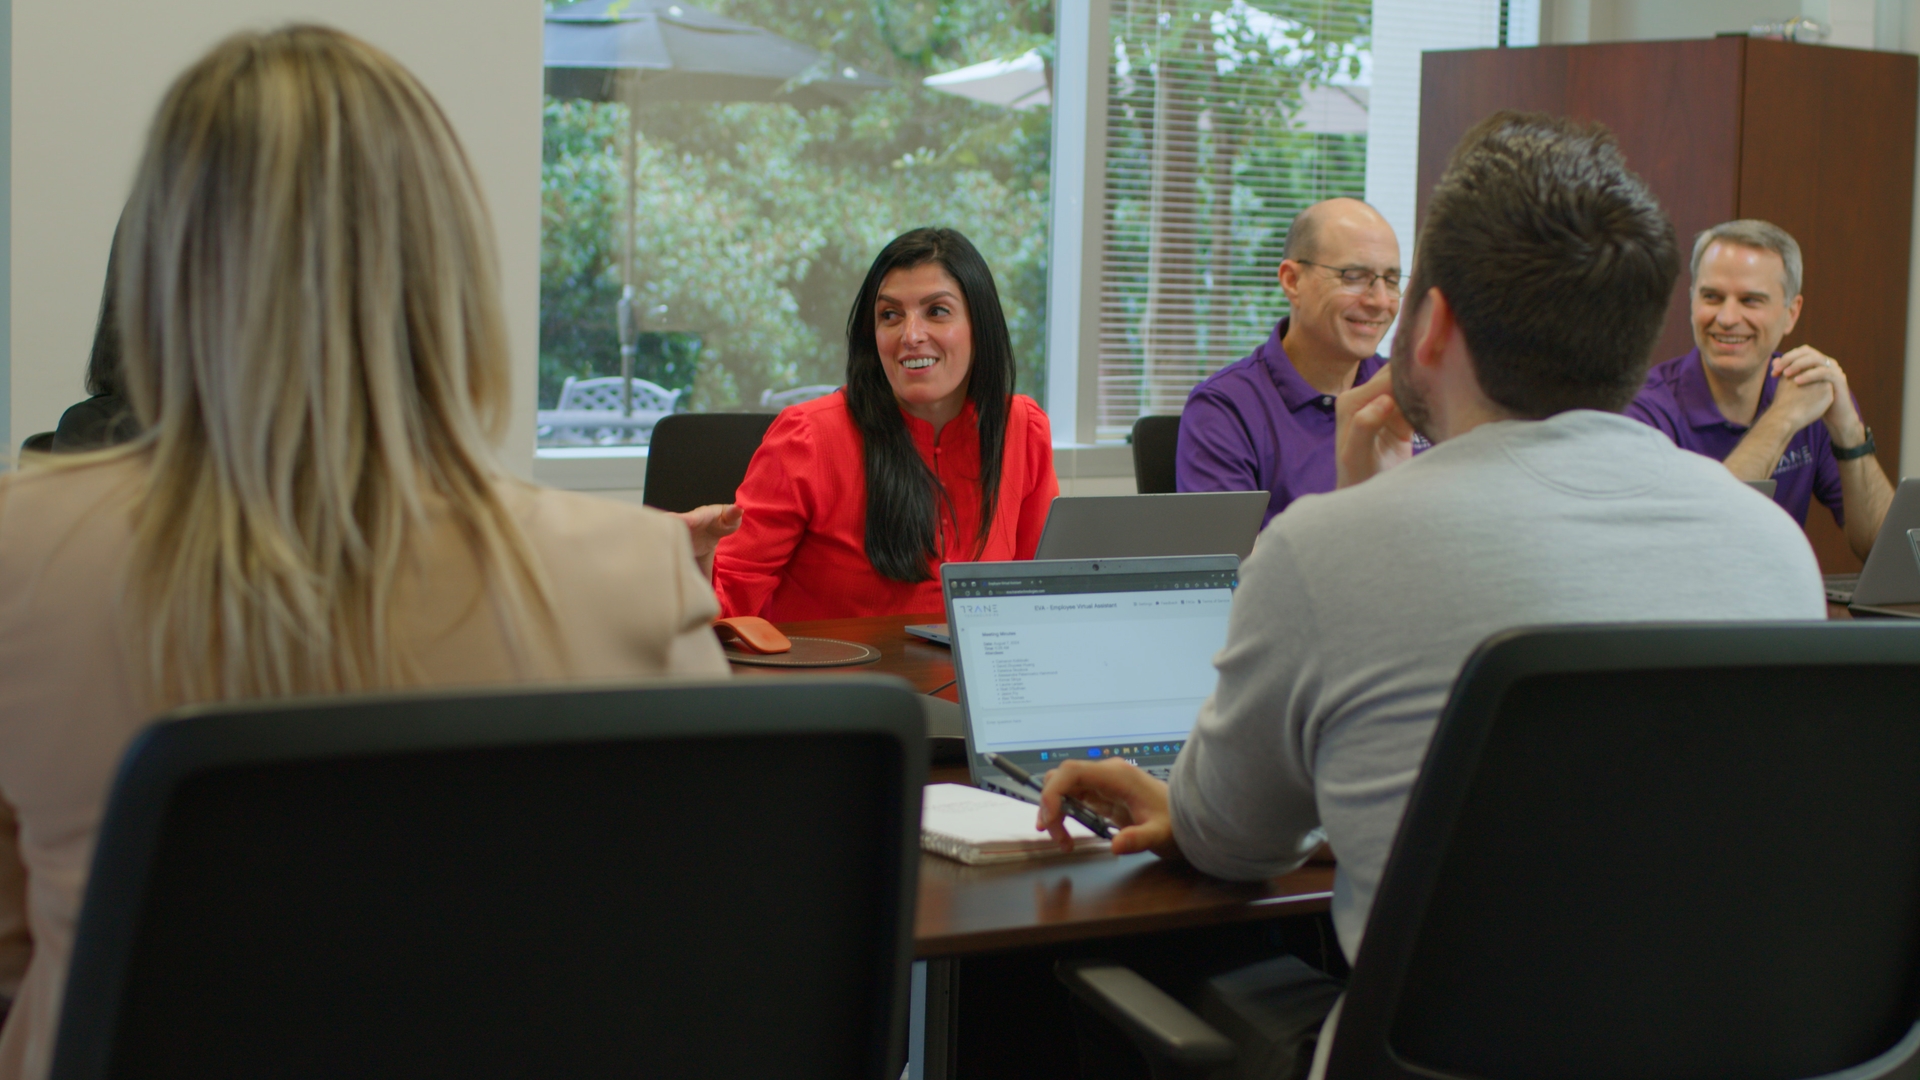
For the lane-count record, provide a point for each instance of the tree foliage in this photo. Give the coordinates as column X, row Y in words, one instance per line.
column 1207, row 165
column 757, row 221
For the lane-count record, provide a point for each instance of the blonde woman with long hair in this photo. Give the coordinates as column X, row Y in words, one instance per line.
column 314, row 348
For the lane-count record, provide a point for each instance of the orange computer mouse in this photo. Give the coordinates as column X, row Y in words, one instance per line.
column 751, row 633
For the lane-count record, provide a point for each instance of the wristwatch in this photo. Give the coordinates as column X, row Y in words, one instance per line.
column 1852, row 452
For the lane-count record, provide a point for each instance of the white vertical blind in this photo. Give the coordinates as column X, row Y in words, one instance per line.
column 1224, row 119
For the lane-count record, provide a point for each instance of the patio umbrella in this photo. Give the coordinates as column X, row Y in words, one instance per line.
column 664, row 50
column 1019, row 83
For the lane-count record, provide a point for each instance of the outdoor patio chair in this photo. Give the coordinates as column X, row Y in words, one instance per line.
column 794, row 396
column 578, row 419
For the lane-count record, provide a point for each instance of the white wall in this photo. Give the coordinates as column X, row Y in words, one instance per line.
column 84, row 83
column 1402, row 30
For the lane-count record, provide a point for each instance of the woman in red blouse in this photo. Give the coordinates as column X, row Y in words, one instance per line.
column 925, row 456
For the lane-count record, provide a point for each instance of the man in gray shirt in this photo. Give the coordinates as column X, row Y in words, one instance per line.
column 1540, row 282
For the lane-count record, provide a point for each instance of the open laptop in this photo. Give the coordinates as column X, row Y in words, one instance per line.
column 1137, row 526
column 1087, row 658
column 1890, row 574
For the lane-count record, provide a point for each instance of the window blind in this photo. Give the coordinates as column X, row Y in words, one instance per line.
column 1225, row 118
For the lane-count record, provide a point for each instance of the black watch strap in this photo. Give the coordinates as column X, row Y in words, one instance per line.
column 1850, row 453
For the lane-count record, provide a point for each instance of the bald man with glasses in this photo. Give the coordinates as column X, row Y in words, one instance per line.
column 1265, row 423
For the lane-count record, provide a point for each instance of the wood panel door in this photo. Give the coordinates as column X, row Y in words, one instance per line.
column 1827, row 154
column 1674, row 106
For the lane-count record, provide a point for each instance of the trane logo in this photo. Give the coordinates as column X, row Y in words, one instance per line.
column 1798, row 457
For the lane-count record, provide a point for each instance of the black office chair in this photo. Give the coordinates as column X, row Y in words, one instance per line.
column 1154, row 438
column 1681, row 851
column 672, row 880
column 39, row 443
column 695, row 459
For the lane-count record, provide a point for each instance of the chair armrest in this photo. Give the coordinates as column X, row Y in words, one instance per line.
column 1159, row 1025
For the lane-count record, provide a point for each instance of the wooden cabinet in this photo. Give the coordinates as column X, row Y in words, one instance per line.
column 1817, row 140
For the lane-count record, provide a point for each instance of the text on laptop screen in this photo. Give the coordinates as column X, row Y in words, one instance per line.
column 1088, row 665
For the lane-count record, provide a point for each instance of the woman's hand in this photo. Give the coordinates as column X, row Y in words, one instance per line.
column 1119, row 791
column 708, row 525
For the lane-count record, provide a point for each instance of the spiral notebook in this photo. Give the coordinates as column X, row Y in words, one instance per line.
column 981, row 827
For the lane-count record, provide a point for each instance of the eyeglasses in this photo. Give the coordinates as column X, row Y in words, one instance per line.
column 1359, row 279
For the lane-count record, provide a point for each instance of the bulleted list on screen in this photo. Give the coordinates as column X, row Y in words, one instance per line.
column 1057, row 670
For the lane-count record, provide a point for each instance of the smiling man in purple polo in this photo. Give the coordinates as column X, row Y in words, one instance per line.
column 1266, row 422
column 1734, row 398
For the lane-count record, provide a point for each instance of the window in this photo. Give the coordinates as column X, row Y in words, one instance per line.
column 1223, row 121
column 758, row 205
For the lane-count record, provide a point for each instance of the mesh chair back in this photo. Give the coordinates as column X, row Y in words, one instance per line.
column 676, row 880
column 1155, row 438
column 700, row 458
column 1683, row 852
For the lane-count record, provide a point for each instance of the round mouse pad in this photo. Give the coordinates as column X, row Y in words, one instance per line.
column 809, row 652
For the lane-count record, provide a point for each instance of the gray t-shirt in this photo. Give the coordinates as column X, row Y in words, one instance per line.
column 1357, row 609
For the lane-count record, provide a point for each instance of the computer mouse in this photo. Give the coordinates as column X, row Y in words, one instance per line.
column 751, row 633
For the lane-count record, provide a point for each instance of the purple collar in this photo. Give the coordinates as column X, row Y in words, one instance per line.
column 1696, row 397
column 1296, row 392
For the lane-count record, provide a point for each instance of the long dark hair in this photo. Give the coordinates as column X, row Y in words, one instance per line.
column 903, row 495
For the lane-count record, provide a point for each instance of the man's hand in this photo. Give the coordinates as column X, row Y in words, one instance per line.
column 1123, row 793
column 1805, row 392
column 1814, row 377
column 708, row 525
column 1370, row 435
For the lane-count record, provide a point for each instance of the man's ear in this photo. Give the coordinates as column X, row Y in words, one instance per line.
column 1793, row 314
column 1433, row 328
column 1289, row 276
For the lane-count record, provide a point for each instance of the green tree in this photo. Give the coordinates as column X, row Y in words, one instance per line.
column 757, row 221
column 1205, row 168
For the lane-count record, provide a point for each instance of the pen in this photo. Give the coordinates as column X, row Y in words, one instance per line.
column 1076, row 809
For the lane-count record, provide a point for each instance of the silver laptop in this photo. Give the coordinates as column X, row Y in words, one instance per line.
column 1085, row 658
column 1138, row 526
column 1890, row 574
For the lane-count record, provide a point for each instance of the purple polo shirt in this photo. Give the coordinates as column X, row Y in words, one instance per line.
column 1256, row 424
column 1678, row 402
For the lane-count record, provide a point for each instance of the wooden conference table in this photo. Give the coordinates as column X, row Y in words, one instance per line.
column 973, row 909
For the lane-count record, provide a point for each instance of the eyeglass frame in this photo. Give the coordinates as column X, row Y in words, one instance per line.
column 1392, row 278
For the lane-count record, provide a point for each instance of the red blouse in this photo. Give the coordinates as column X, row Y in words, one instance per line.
column 801, row 552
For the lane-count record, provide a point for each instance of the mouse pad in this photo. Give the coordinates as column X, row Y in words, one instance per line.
column 810, row 652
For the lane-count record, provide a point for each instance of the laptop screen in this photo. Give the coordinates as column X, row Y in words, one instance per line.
column 1090, row 659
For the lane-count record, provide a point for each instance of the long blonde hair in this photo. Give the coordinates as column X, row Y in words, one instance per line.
column 313, row 343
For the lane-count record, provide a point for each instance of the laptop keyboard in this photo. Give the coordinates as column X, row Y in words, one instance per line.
column 1840, row 587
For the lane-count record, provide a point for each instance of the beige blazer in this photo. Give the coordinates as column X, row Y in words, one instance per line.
column 630, row 603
